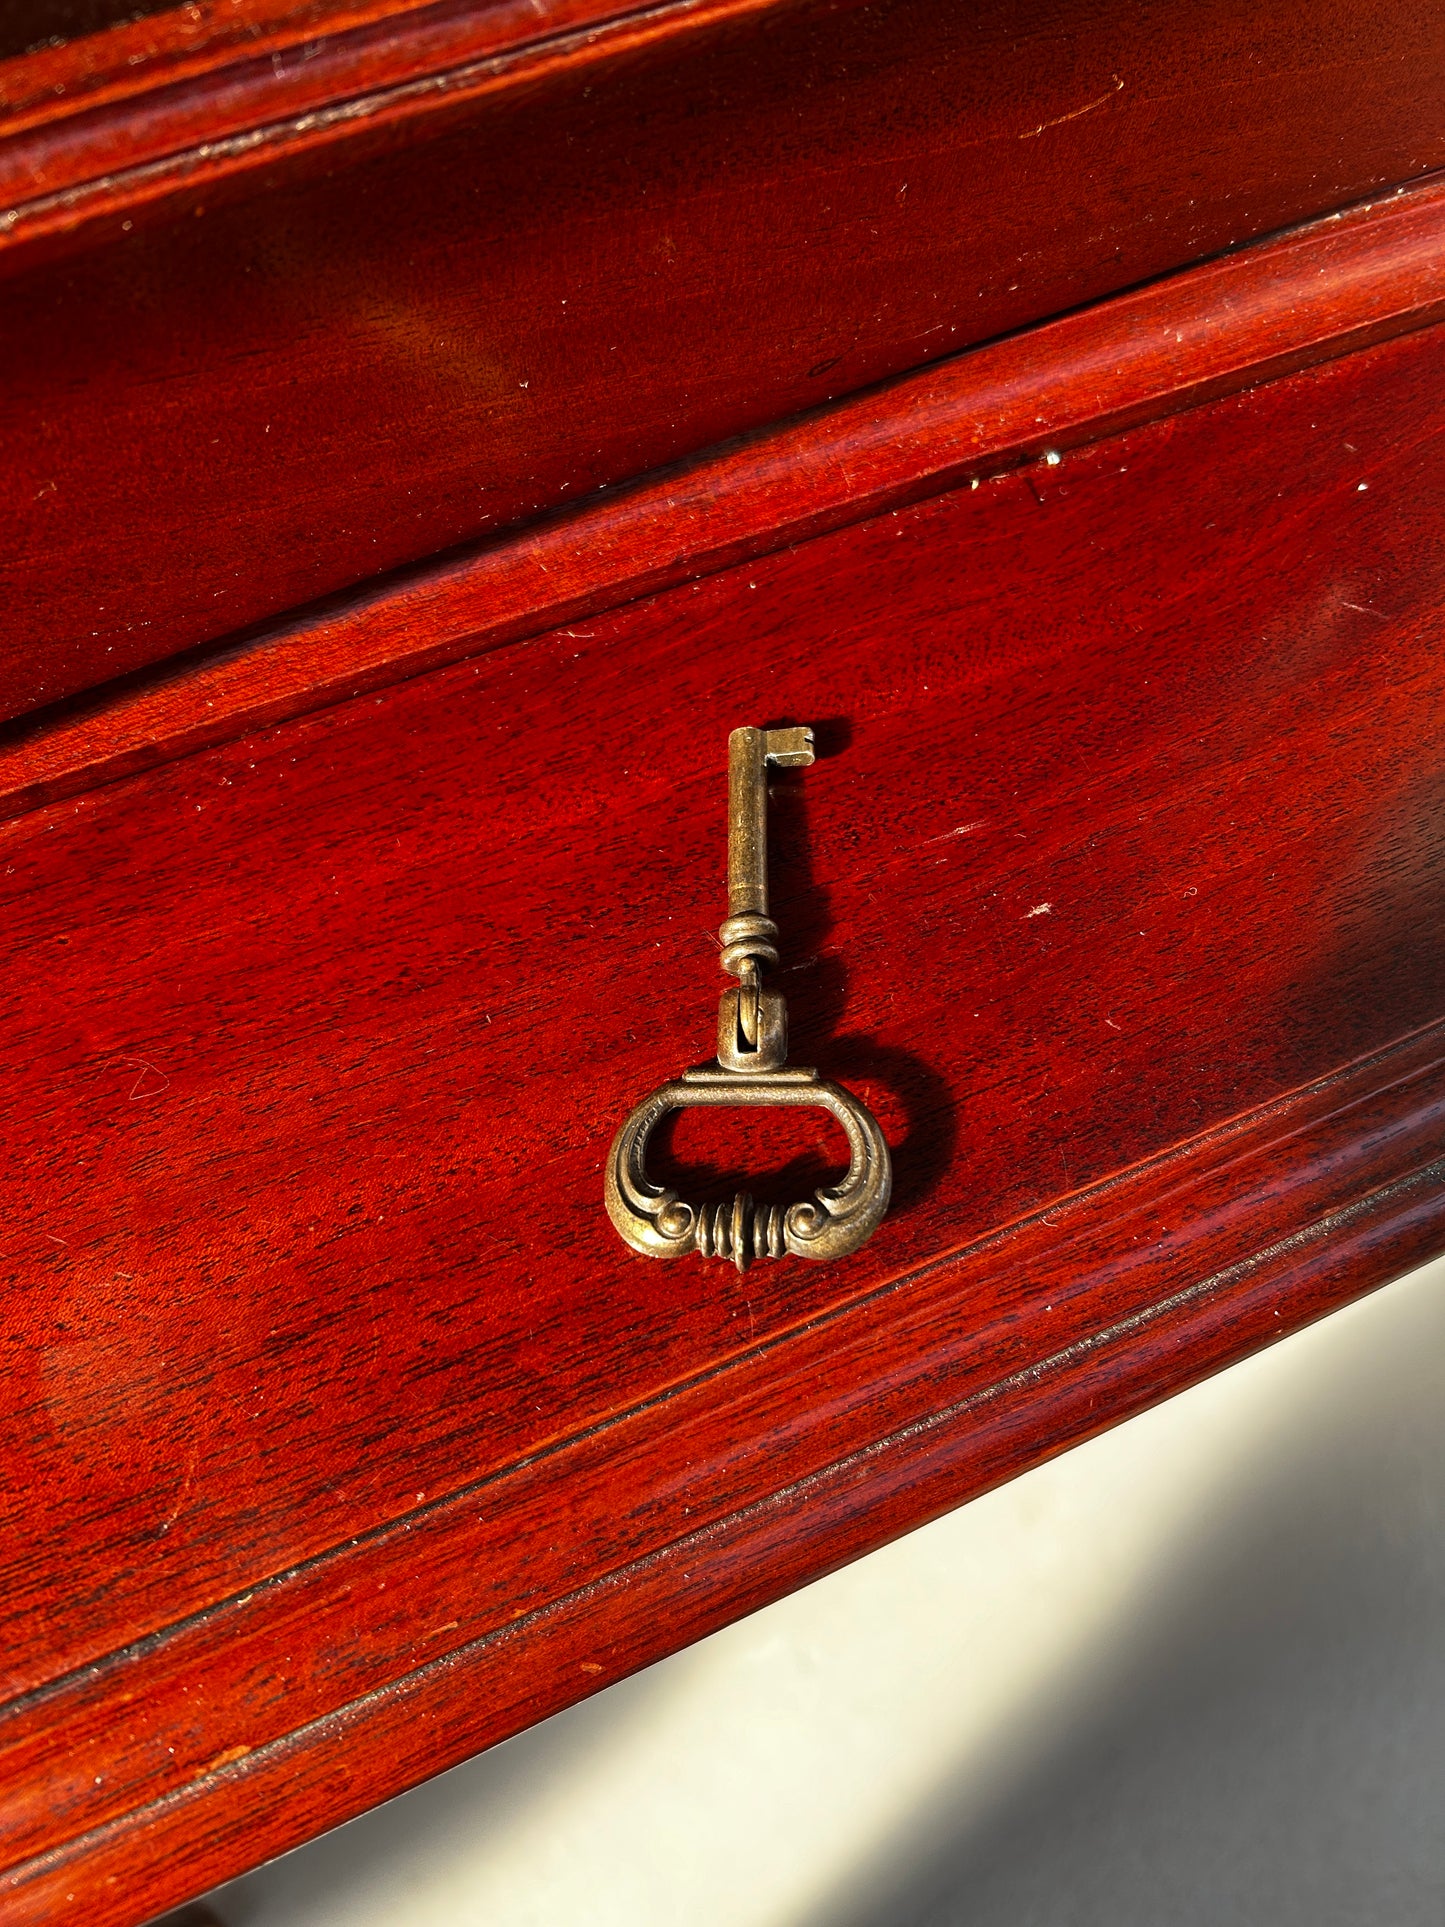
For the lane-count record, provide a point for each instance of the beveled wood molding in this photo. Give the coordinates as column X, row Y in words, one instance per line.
column 1168, row 1271
column 112, row 122
column 1295, row 301
column 435, row 273
column 146, row 50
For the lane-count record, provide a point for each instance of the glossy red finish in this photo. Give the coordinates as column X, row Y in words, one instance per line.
column 1116, row 892
column 1322, row 291
column 277, row 341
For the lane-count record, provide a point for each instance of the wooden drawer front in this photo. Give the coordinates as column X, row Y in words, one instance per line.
column 1116, row 893
column 335, row 306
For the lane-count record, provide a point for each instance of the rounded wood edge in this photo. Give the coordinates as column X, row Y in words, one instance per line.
column 1348, row 1191
column 1346, row 282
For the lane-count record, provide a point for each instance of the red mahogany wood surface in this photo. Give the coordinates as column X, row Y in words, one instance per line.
column 285, row 326
column 1321, row 291
column 345, row 1435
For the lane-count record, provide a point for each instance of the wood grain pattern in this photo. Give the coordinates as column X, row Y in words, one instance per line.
column 1322, row 291
column 416, row 1711
column 265, row 365
column 1116, row 895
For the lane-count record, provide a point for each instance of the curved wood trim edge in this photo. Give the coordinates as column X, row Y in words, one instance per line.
column 244, row 106
column 55, row 82
column 1298, row 300
column 1229, row 1241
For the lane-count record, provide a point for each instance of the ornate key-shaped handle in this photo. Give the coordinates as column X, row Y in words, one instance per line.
column 751, row 1068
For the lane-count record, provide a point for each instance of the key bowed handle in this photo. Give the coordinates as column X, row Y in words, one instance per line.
column 751, row 1068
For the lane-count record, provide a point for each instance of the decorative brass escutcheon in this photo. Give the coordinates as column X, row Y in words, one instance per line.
column 751, row 1068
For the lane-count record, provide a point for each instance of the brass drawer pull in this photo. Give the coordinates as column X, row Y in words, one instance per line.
column 751, row 1069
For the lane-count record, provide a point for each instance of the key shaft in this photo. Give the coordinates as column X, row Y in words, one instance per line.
column 749, row 753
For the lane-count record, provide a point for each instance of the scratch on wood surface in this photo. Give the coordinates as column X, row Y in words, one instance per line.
column 1360, row 610
column 138, row 1089
column 183, row 1494
column 1077, row 114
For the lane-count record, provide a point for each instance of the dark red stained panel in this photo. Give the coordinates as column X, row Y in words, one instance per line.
column 289, row 375
column 1129, row 823
column 1324, row 290
column 316, row 1041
